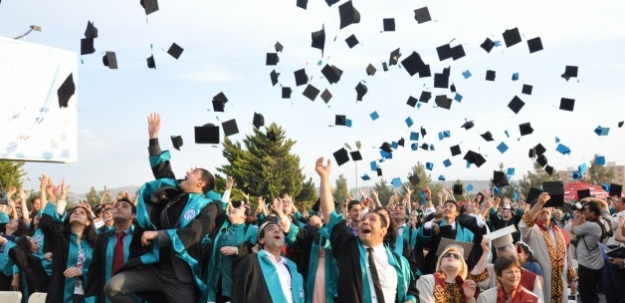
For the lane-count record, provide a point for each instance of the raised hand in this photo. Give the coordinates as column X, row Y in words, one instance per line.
column 22, row 195
column 543, row 198
column 323, row 170
column 52, row 190
column 469, row 287
column 43, row 181
column 229, row 183
column 374, row 192
column 154, row 125
column 64, row 190
column 11, row 192
column 428, row 193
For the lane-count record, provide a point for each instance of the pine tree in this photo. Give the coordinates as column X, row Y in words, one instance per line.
column 10, row 174
column 536, row 178
column 598, row 174
column 384, row 191
column 341, row 192
column 93, row 197
column 308, row 195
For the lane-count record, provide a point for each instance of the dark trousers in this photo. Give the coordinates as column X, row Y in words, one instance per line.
column 588, row 279
column 5, row 282
column 150, row 279
column 613, row 277
column 78, row 299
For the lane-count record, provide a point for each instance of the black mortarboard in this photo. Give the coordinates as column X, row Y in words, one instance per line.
column 425, row 146
column 176, row 141
column 474, row 158
column 319, row 39
column 274, row 77
column 488, row 45
column 356, row 156
column 332, row 73
column 86, row 46
column 549, row 169
column 300, row 77
column 91, row 32
column 302, row 4
column 207, row 134
column 379, row 171
column 527, row 89
column 351, row 41
column 526, row 129
column 455, row 150
column 326, row 96
column 401, row 142
column 511, row 37
column 452, row 88
column 441, row 81
column 487, row 136
column 150, row 6
column 490, row 75
column 221, row 97
column 339, row 120
column 150, row 61
column 386, row 147
column 535, row 45
column 361, row 91
column 468, row 125
column 423, row 132
column 556, row 192
column 385, row 66
column 412, row 101
column 414, row 179
column 422, row 15
column 311, row 92
column 175, row 50
column 533, row 194
column 444, row 52
column 425, row 96
column 389, row 24
column 516, row 104
column 539, row 149
column 616, row 190
column 230, row 127
column 66, row 91
column 413, row 63
column 110, row 60
column 458, row 190
column 457, row 52
column 443, row 101
column 584, row 193
column 271, row 136
column 272, row 59
column 371, row 70
column 447, row 71
column 620, row 124
column 570, row 72
column 218, row 106
column 394, row 57
column 532, row 153
column 259, row 120
column 425, row 71
column 542, row 160
column 500, row 179
column 567, row 104
column 348, row 14
column 286, row 92
column 279, row 47
column 341, row 156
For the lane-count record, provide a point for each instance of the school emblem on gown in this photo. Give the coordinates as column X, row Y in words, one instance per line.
column 189, row 214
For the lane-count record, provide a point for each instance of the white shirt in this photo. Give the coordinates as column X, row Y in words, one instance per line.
column 284, row 275
column 386, row 274
column 400, row 229
column 615, row 221
column 428, row 225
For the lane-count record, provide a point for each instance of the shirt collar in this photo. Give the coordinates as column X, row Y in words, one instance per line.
column 126, row 231
column 273, row 258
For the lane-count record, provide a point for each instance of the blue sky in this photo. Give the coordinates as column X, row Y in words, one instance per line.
column 225, row 46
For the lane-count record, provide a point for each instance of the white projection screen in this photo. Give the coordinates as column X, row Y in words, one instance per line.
column 33, row 125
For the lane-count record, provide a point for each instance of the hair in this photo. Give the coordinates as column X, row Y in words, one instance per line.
column 505, row 262
column 464, row 270
column 208, row 178
column 391, row 232
column 593, row 207
column 21, row 230
column 352, row 203
column 24, row 244
column 463, row 209
column 479, row 198
column 250, row 215
column 454, row 203
column 126, row 200
column 88, row 233
column 526, row 249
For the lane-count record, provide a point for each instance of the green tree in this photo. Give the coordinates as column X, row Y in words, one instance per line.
column 508, row 191
column 93, row 197
column 598, row 174
column 10, row 174
column 308, row 195
column 384, row 190
column 425, row 180
column 264, row 167
column 535, row 179
column 341, row 191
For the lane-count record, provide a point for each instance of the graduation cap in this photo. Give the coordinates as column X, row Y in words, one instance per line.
column 301, row 77
column 441, row 81
column 502, row 147
column 66, row 91
column 341, row 156
column 218, row 106
column 443, row 102
column 176, row 141
column 444, row 52
column 361, row 91
column 311, row 92
column 464, row 248
column 401, row 142
column 423, row 132
column 356, row 156
column 502, row 237
column 271, row 135
column 110, row 60
column 556, row 191
column 274, row 77
column 259, row 120
column 516, row 104
column 535, row 45
column 425, row 71
column 389, row 24
column 272, row 59
column 379, row 171
column 348, row 14
column 365, row 177
column 527, row 89
column 413, row 63
column 526, row 129
column 422, row 15
column 602, row 131
column 490, row 75
column 175, row 51
column 150, row 61
column 570, row 72
column 542, row 160
column 230, row 127
column 339, row 120
column 302, row 4
column 533, row 195
column 326, row 96
column 86, row 46
column 468, row 125
column 511, row 37
column 620, row 124
column 539, row 149
column 412, row 101
column 221, row 97
column 487, row 136
column 331, row 73
column 91, row 32
column 584, row 193
column 500, row 179
column 567, row 104
column 425, row 96
column 386, row 147
column 351, row 41
column 394, row 57
column 319, row 39
column 455, row 150
column 414, row 179
column 207, row 134
column 286, row 92
column 371, row 70
column 457, row 52
column 279, row 47
column 616, row 190
column 458, row 190
column 487, row 45
column 474, row 158
column 150, row 6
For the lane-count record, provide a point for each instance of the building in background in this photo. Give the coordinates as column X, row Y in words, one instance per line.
column 619, row 174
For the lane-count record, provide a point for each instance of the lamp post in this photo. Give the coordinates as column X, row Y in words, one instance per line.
column 32, row 28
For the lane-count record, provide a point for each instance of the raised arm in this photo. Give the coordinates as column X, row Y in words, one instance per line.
column 325, row 192
column 25, row 212
column 535, row 210
column 159, row 161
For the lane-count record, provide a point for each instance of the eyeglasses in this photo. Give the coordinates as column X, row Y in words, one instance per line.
column 452, row 255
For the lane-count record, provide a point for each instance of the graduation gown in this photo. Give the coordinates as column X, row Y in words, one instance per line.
column 256, row 281
column 529, row 280
column 31, row 266
column 430, row 241
column 523, row 296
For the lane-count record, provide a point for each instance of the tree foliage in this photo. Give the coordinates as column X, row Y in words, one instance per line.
column 10, row 174
column 599, row 174
column 384, row 190
column 536, row 178
column 341, row 191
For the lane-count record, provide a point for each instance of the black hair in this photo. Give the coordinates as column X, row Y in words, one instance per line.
column 352, row 203
column 88, row 233
column 594, row 208
column 24, row 244
column 208, row 178
column 504, row 262
column 132, row 205
column 391, row 232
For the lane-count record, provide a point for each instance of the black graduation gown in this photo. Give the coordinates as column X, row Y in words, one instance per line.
column 248, row 281
column 36, row 277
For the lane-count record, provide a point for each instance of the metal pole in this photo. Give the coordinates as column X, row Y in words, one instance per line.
column 356, row 169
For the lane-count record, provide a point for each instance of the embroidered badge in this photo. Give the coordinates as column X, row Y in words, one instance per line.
column 189, row 214
column 38, row 238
